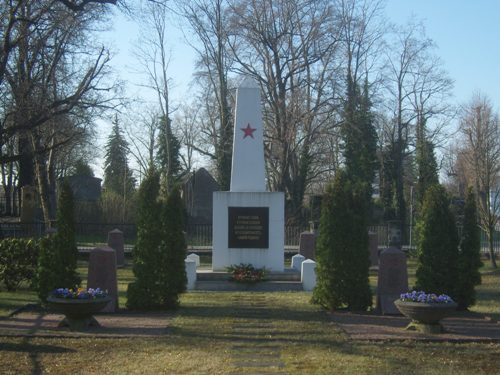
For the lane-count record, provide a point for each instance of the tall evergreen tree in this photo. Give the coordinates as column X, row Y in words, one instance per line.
column 118, row 177
column 469, row 259
column 65, row 239
column 386, row 182
column 59, row 254
column 342, row 251
column 168, row 155
column 173, row 250
column 160, row 249
column 360, row 138
column 145, row 292
column 342, row 255
column 45, row 278
column 437, row 249
column 426, row 165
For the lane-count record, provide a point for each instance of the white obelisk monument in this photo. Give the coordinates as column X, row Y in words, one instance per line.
column 248, row 221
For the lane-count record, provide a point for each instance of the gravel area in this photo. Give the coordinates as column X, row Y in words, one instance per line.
column 463, row 327
column 121, row 324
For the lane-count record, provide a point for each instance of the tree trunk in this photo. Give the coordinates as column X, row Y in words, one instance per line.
column 26, row 175
column 51, row 186
column 42, row 181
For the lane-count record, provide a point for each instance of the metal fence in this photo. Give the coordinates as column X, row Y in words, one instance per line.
column 14, row 209
column 19, row 230
column 198, row 236
column 201, row 235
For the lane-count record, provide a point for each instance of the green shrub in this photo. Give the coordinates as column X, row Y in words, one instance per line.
column 469, row 259
column 342, row 251
column 437, row 249
column 18, row 258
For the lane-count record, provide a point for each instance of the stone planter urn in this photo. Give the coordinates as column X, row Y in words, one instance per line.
column 425, row 317
column 78, row 312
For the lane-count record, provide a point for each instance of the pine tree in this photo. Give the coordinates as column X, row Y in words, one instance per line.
column 437, row 249
column 469, row 259
column 342, row 250
column 173, row 248
column 118, row 177
column 145, row 292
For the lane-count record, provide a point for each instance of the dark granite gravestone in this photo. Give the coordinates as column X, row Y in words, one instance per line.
column 102, row 274
column 307, row 245
column 392, row 279
column 116, row 242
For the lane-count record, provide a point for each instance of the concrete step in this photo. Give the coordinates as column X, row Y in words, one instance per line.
column 287, row 275
column 263, row 286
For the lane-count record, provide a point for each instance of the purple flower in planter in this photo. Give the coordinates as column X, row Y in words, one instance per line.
column 421, row 296
column 79, row 293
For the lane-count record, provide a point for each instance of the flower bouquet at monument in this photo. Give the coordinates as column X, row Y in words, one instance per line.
column 246, row 273
column 425, row 310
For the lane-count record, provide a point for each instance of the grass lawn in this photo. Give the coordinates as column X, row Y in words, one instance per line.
column 202, row 338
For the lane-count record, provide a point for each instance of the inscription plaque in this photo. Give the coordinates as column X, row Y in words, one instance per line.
column 248, row 227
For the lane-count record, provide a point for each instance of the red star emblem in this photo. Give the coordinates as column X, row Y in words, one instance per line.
column 248, row 131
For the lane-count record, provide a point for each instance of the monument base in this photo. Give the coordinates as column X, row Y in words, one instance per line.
column 248, row 245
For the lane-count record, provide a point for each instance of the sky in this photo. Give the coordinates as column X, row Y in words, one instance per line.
column 466, row 32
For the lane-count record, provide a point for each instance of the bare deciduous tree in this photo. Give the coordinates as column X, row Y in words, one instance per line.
column 154, row 56
column 289, row 48
column 418, row 89
column 208, row 22
column 142, row 132
column 52, row 89
column 480, row 128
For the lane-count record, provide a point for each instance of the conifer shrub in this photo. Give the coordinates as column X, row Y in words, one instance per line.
column 145, row 292
column 59, row 254
column 342, row 254
column 469, row 257
column 173, row 247
column 437, row 249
